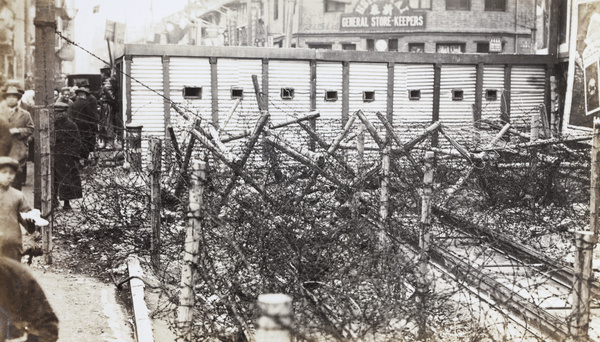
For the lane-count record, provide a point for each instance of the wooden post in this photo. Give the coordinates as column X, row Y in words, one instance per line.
column 155, row 166
column 425, row 244
column 134, row 146
column 582, row 281
column 45, row 130
column 595, row 181
column 192, row 248
column 45, row 54
column 275, row 318
column 384, row 192
column 175, row 144
column 360, row 147
column 535, row 126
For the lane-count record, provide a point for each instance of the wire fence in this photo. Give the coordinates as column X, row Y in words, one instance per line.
column 314, row 231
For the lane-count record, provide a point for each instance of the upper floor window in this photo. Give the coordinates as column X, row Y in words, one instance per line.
column 450, row 48
column 495, row 5
column 416, row 47
column 275, row 9
column 464, row 5
column 348, row 46
column 419, row 4
column 334, row 6
column 323, row 46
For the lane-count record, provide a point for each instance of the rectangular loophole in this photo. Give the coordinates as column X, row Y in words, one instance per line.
column 191, row 92
column 458, row 94
column 368, row 96
column 491, row 94
column 414, row 94
column 237, row 92
column 331, row 95
column 287, row 93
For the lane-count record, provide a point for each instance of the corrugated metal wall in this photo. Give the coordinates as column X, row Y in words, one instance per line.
column 457, row 77
column 493, row 79
column 288, row 74
column 527, row 93
column 190, row 72
column 147, row 105
column 238, row 73
column 329, row 78
column 368, row 77
column 418, row 112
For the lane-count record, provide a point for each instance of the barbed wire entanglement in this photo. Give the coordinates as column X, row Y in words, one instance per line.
column 308, row 223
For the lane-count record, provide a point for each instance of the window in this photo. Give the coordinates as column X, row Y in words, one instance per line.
column 368, row 96
column 319, row 46
column 334, row 6
column 458, row 94
column 287, row 93
column 370, row 44
column 491, row 94
column 348, row 46
column 237, row 92
column 495, row 5
column 416, row 47
column 275, row 9
column 420, row 4
column 192, row 92
column 414, row 94
column 483, row 47
column 331, row 95
column 393, row 45
column 463, row 5
column 450, row 47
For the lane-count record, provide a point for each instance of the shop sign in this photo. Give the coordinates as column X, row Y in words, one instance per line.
column 382, row 15
column 495, row 45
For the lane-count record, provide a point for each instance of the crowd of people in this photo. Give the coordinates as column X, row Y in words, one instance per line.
column 24, row 308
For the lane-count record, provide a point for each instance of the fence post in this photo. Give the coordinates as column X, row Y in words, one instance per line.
column 360, row 147
column 46, row 181
column 425, row 244
column 155, row 165
column 275, row 318
column 384, row 193
column 192, row 246
column 582, row 280
column 535, row 126
column 134, row 146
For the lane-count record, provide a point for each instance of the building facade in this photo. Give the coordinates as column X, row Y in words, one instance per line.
column 430, row 26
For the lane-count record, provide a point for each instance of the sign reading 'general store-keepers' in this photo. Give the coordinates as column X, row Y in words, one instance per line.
column 382, row 15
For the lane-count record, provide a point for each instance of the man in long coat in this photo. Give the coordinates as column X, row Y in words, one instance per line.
column 21, row 129
column 85, row 116
column 67, row 182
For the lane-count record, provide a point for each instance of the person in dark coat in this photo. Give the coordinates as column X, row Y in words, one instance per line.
column 5, row 137
column 23, row 305
column 85, row 116
column 67, row 182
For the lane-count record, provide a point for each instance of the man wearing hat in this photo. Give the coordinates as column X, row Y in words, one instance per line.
column 21, row 129
column 85, row 115
column 66, row 153
column 65, row 96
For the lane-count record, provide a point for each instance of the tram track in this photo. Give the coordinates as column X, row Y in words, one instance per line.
column 509, row 276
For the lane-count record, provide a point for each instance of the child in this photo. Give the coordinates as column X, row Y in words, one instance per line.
column 12, row 204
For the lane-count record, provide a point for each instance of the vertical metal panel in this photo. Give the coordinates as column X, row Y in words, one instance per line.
column 329, row 77
column 146, row 94
column 288, row 74
column 493, row 79
column 528, row 89
column 463, row 77
column 194, row 72
column 368, row 77
column 412, row 77
column 238, row 73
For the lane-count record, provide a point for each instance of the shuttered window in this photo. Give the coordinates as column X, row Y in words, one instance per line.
column 464, row 5
column 495, row 5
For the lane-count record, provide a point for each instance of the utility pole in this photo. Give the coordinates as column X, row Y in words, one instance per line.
column 45, row 27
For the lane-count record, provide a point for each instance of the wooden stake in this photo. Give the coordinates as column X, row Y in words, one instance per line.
column 186, row 161
column 155, row 166
column 384, row 191
column 178, row 156
column 595, row 181
column 340, row 137
column 423, row 287
column 275, row 318
column 185, row 310
column 46, row 182
column 230, row 113
column 582, row 280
